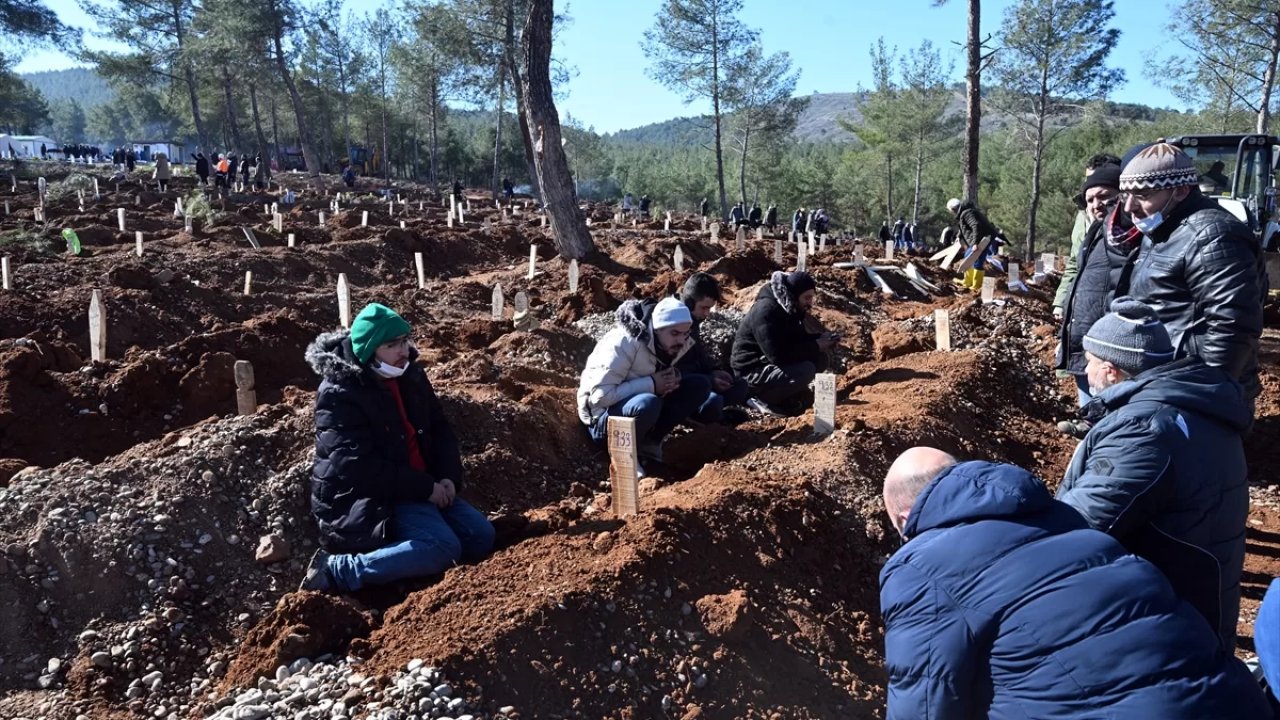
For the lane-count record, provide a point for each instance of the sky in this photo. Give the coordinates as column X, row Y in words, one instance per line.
column 829, row 41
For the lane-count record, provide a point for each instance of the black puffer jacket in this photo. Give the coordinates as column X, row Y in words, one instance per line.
column 1103, row 274
column 772, row 332
column 1163, row 471
column 974, row 224
column 362, row 461
column 1202, row 271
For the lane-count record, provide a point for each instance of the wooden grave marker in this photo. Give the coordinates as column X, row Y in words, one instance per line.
column 420, row 265
column 177, row 208
column 942, row 328
column 811, row 239
column 4, row 274
column 759, row 234
column 6, row 207
column 704, row 223
column 188, row 224
column 344, row 301
column 137, row 241
column 802, row 256
column 824, row 403
column 97, row 328
column 623, row 466
column 678, row 259
column 888, row 249
column 497, row 305
column 533, row 261
column 96, row 194
column 967, row 264
column 248, row 282
column 988, row 289
column 573, row 277
column 715, row 232
column 246, row 396
column 1050, row 262
column 402, row 227
column 858, row 257
column 364, row 218
column 41, row 186
column 450, row 220
column 253, row 239
column 120, row 218
column 740, row 238
column 1015, row 274
column 777, row 249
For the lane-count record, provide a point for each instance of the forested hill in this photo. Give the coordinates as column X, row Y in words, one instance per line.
column 80, row 84
column 820, row 121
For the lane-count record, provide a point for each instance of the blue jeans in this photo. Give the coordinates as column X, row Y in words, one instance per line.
column 657, row 416
column 428, row 541
column 735, row 395
column 1082, row 388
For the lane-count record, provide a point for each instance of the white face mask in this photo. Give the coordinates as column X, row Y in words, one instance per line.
column 389, row 372
column 1149, row 223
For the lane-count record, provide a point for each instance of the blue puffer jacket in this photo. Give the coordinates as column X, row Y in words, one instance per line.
column 1163, row 471
column 1004, row 605
column 362, row 466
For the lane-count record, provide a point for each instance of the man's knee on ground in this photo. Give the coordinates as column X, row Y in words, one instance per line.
column 436, row 553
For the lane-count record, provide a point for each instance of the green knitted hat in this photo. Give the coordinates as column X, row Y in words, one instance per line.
column 375, row 325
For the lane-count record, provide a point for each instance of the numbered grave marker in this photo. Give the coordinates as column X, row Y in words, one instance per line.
column 678, row 259
column 1015, row 273
column 824, row 403
column 292, row 240
column 858, row 257
column 623, row 466
column 422, row 270
column 715, row 232
column 802, row 256
column 573, row 277
column 777, row 250
column 4, row 274
column 364, row 218
column 988, row 289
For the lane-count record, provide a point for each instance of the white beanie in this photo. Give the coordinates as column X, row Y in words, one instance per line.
column 670, row 312
column 953, row 204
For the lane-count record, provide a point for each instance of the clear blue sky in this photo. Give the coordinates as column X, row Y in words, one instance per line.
column 828, row 40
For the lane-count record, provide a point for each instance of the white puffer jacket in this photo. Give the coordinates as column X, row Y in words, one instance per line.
column 622, row 362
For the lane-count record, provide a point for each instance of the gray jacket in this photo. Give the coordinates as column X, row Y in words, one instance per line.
column 1203, row 273
column 1163, row 471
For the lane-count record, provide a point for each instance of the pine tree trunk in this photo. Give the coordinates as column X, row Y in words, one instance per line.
column 189, row 76
column 973, row 102
column 435, row 136
column 742, row 165
column 299, row 110
column 1269, row 77
column 257, row 123
column 1034, row 209
column 568, row 227
column 915, row 204
column 494, row 184
column 232, row 124
column 517, row 83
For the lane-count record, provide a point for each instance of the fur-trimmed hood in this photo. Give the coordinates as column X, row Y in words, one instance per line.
column 331, row 357
column 778, row 287
column 633, row 316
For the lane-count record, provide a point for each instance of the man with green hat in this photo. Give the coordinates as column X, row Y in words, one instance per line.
column 388, row 471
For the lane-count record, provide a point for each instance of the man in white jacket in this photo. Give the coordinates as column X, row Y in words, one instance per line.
column 632, row 373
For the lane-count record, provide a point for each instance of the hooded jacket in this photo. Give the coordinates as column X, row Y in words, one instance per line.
column 1163, row 471
column 362, row 465
column 1003, row 604
column 772, row 332
column 1202, row 271
column 622, row 362
column 974, row 225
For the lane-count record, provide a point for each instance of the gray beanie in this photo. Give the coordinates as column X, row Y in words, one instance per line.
column 1130, row 337
column 1158, row 167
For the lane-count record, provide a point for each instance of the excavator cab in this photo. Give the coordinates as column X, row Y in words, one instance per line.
column 1238, row 171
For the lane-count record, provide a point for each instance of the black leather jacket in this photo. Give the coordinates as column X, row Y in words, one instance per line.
column 1202, row 271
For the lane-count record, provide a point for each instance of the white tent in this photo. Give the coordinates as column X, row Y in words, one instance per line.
column 26, row 146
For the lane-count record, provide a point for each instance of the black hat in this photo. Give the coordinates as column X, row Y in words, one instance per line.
column 799, row 283
column 1102, row 176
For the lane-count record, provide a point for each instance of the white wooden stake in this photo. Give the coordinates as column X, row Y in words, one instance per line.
column 96, row 194
column 293, row 241
column 344, row 301
column 573, row 277
column 715, row 232
column 364, row 219
column 777, row 249
column 422, row 270
column 759, row 234
column 248, row 282
column 942, row 328
column 4, row 274
column 120, row 218
column 496, row 308
column 402, row 225
column 623, row 465
column 6, row 207
column 888, row 249
column 678, row 259
column 187, row 225
column 858, row 257
column 321, row 218
column 802, row 256
column 279, row 221
column 177, row 208
column 824, row 403
column 813, row 242
column 97, row 328
column 533, row 260
column 246, row 396
column 988, row 289
column 740, row 238
column 137, row 240
column 1015, row 274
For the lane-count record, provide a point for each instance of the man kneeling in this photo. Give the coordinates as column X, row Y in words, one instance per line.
column 384, row 488
column 632, row 373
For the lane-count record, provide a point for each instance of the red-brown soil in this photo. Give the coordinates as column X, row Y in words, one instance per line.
column 747, row 586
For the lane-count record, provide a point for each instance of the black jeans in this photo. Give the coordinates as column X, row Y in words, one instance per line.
column 786, row 386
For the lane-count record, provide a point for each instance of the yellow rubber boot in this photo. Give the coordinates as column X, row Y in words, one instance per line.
column 978, row 275
column 968, row 279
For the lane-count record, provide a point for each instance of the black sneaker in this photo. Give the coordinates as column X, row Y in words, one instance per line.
column 1075, row 428
column 317, row 577
column 734, row 416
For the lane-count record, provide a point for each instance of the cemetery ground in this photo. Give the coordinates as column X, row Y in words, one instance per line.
column 133, row 582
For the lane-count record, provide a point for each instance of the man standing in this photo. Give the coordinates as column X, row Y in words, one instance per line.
column 1106, row 260
column 736, row 216
column 1083, row 221
column 1163, row 470
column 1199, row 267
column 773, row 349
column 632, row 372
column 700, row 294
column 388, row 473
column 771, row 218
column 755, row 216
column 1003, row 604
column 702, row 207
column 798, row 222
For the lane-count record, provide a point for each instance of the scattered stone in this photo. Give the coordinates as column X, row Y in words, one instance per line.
column 271, row 549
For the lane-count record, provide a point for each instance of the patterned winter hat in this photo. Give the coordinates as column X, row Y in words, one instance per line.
column 1158, row 167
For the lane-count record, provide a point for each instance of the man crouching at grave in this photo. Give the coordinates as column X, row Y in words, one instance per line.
column 774, row 350
column 701, row 293
column 632, row 373
column 388, row 473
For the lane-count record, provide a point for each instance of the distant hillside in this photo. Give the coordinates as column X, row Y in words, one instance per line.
column 81, row 84
column 819, row 122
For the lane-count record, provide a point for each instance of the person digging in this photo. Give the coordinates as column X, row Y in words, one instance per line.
column 388, row 471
